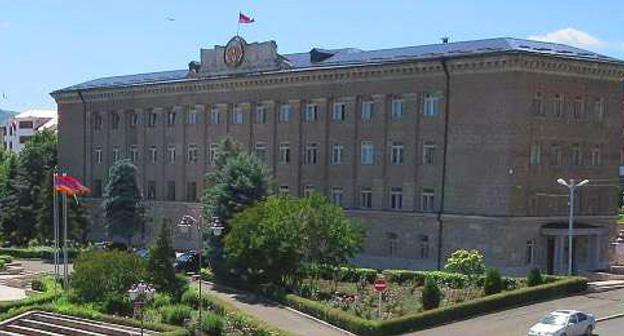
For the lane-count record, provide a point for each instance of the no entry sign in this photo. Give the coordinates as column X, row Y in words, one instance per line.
column 380, row 285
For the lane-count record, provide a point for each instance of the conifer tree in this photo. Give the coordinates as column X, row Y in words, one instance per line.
column 161, row 257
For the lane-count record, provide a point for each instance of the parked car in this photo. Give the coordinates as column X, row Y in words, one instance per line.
column 142, row 252
column 186, row 261
column 564, row 323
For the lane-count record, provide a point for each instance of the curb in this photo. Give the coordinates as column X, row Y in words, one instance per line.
column 610, row 317
column 286, row 307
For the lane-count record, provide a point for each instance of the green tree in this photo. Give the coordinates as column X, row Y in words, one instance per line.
column 160, row 264
column 466, row 262
column 123, row 209
column 534, row 278
column 11, row 200
column 493, row 282
column 276, row 237
column 431, row 294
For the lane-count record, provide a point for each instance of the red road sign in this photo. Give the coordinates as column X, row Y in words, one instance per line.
column 380, row 285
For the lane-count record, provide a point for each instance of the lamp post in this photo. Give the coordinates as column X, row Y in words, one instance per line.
column 140, row 294
column 185, row 225
column 571, row 185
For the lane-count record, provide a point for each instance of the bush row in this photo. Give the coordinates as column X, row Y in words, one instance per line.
column 437, row 316
column 39, row 252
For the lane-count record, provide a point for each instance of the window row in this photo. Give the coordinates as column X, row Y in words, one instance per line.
column 394, row 246
column 576, row 156
column 192, row 191
column 577, row 108
column 397, row 153
column 311, row 113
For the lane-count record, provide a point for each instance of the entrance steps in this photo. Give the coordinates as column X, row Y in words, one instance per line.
column 604, row 286
column 50, row 324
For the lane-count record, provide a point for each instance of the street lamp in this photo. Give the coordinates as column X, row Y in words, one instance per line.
column 140, row 294
column 572, row 185
column 216, row 228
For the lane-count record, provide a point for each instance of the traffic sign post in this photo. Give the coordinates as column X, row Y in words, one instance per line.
column 380, row 285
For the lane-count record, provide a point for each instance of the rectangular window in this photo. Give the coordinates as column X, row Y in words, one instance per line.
column 366, row 198
column 192, row 153
column 599, row 108
column 555, row 158
column 134, row 119
column 153, row 154
column 97, row 188
column 311, row 113
column 311, row 154
column 191, row 191
column 537, row 105
column 171, row 118
column 284, row 190
column 260, row 151
column 367, row 110
column 398, row 108
column 261, row 116
column 152, row 119
column 367, row 153
column 151, row 190
column 171, row 191
column 529, row 257
column 214, row 116
column 596, row 157
column 396, row 198
column 24, row 138
column 424, row 246
column 212, row 153
column 97, row 122
column 393, row 243
column 284, row 149
column 336, row 196
column 558, row 106
column 578, row 108
column 285, row 113
column 192, row 117
column 430, row 109
column 237, row 115
column 98, row 155
column 397, row 152
column 337, row 151
column 172, row 153
column 429, row 150
column 427, row 199
column 577, row 158
column 116, row 154
column 339, row 111
column 308, row 190
column 29, row 124
column 115, row 120
column 134, row 153
column 536, row 154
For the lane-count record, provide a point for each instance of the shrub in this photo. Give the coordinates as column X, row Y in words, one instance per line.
column 175, row 314
column 493, row 282
column 98, row 275
column 38, row 252
column 466, row 262
column 534, row 278
column 431, row 294
column 190, row 297
column 38, row 285
column 117, row 304
column 207, row 275
column 213, row 324
column 161, row 299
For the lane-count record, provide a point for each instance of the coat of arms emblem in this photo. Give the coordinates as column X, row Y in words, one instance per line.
column 234, row 52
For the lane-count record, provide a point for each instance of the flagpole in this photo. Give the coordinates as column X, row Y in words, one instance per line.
column 55, row 214
column 65, row 279
column 238, row 26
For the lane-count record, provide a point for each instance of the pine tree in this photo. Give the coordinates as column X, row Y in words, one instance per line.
column 9, row 198
column 161, row 257
column 123, row 210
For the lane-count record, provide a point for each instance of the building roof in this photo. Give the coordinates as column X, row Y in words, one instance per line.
column 36, row 114
column 354, row 57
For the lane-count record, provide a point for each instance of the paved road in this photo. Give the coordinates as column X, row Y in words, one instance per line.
column 274, row 314
column 516, row 322
column 610, row 328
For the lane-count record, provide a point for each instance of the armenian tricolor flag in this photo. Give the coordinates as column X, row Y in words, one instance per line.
column 66, row 184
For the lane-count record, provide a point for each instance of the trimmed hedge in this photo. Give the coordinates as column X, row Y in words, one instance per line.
column 39, row 252
column 29, row 301
column 437, row 316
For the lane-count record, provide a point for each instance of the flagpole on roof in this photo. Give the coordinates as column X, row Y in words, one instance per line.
column 238, row 25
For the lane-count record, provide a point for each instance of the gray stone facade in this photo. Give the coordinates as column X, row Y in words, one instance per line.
column 465, row 149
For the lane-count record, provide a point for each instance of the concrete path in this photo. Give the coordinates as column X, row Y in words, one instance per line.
column 11, row 294
column 274, row 314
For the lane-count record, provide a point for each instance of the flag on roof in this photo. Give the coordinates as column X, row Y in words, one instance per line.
column 242, row 18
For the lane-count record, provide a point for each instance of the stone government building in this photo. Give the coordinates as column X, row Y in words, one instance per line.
column 433, row 147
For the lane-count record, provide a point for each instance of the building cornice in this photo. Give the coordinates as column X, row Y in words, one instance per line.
column 457, row 66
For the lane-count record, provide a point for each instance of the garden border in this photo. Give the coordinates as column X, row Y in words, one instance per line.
column 439, row 316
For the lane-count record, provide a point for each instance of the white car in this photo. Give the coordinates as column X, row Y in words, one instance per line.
column 564, row 323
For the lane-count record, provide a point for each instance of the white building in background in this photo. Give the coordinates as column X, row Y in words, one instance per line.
column 18, row 129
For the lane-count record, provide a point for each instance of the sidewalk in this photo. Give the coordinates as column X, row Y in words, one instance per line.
column 273, row 313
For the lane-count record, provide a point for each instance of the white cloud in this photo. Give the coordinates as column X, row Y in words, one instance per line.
column 571, row 36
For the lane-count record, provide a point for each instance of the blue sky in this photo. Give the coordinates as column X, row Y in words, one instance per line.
column 50, row 44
